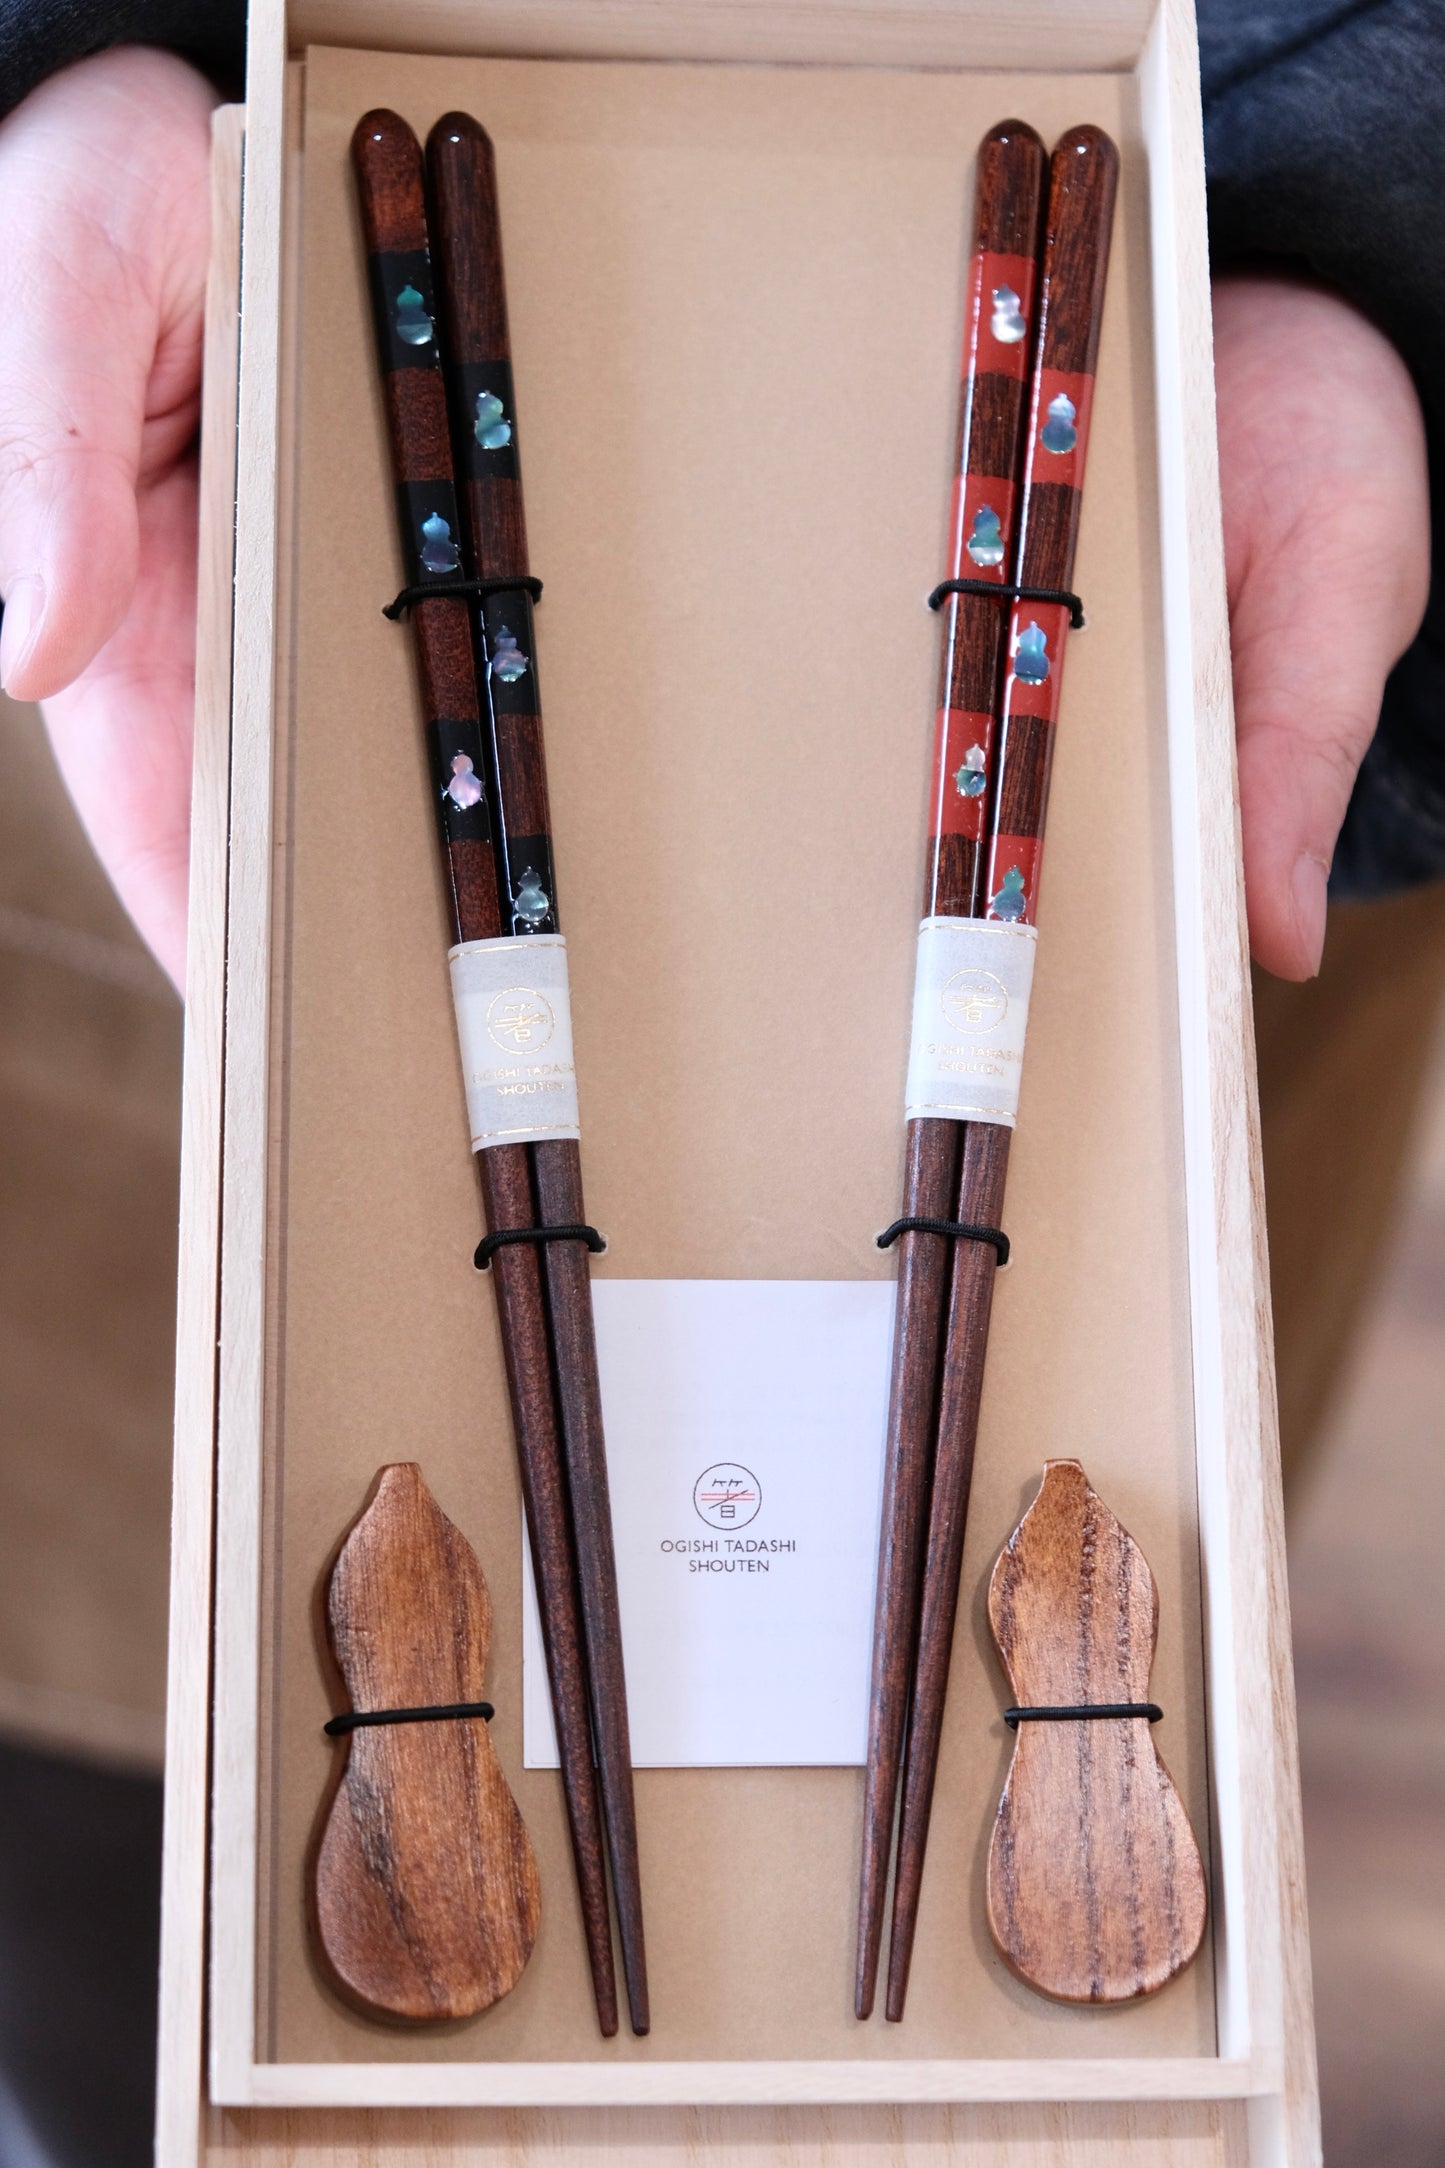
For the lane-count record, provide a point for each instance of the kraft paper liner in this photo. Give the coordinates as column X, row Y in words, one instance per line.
column 735, row 298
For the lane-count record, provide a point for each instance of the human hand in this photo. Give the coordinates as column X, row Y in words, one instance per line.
column 104, row 231
column 1327, row 557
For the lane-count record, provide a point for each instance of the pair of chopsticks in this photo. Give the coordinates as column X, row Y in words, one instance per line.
column 444, row 356
column 1030, row 348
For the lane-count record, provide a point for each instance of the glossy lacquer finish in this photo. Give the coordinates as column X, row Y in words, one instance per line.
column 1083, row 177
column 467, row 244
column 993, row 406
column 390, row 182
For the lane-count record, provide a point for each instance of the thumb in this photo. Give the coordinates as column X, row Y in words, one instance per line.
column 68, row 548
column 74, row 368
column 1327, row 542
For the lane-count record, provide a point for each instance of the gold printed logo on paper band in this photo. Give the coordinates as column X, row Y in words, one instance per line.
column 974, row 1001
column 520, row 1020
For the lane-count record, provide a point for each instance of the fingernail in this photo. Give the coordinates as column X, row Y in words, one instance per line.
column 24, row 608
column 1308, row 892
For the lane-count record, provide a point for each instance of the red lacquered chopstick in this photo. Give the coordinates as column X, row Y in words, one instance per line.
column 1083, row 175
column 993, row 410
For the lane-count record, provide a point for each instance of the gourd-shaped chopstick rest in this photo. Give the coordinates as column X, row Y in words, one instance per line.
column 1095, row 1884
column 425, row 1896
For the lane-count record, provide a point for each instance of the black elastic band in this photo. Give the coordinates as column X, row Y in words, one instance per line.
column 1089, row 1711
column 471, row 590
column 355, row 1719
column 503, row 1235
column 960, row 1230
column 1007, row 592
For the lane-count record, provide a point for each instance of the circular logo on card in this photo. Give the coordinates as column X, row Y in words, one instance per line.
column 727, row 1496
column 974, row 1001
column 520, row 1020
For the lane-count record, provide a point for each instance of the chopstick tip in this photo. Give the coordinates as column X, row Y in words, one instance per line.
column 459, row 128
column 1011, row 133
column 1088, row 141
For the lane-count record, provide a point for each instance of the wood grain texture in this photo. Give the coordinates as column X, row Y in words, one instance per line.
column 1264, row 1991
column 424, row 1886
column 467, row 248
column 188, row 1681
column 921, row 34
column 992, row 400
column 1083, row 178
column 1249, row 1644
column 1083, row 181
column 1192, row 2134
column 262, row 624
column 993, row 412
column 984, row 1169
column 388, row 162
column 509, row 1200
column 557, row 1175
column 1096, row 1888
column 476, row 357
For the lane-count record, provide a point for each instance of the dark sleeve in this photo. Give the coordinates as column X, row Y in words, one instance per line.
column 1324, row 138
column 37, row 37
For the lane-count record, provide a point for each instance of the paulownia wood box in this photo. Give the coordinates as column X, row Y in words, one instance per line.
column 736, row 289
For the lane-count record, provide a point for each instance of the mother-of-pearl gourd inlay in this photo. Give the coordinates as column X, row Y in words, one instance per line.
column 1010, row 903
column 439, row 551
column 1058, row 433
column 413, row 324
column 1007, row 322
column 531, row 902
column 492, row 429
column 464, row 789
column 985, row 543
column 1031, row 654
column 970, row 780
column 508, row 661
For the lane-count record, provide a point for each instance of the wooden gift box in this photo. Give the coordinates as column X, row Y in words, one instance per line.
column 736, row 290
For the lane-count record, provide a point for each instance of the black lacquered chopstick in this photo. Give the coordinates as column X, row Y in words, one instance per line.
column 390, row 182
column 476, row 353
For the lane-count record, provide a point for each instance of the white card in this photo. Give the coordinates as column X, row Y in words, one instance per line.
column 745, row 1425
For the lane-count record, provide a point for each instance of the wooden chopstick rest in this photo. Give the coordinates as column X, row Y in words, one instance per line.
column 1095, row 1883
column 424, row 1888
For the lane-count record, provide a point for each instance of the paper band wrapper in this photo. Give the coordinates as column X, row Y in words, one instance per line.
column 970, row 1014
column 514, row 1027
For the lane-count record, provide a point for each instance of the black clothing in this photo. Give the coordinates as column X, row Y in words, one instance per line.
column 39, row 37
column 1325, row 145
column 1324, row 129
column 1324, row 137
column 80, row 1913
